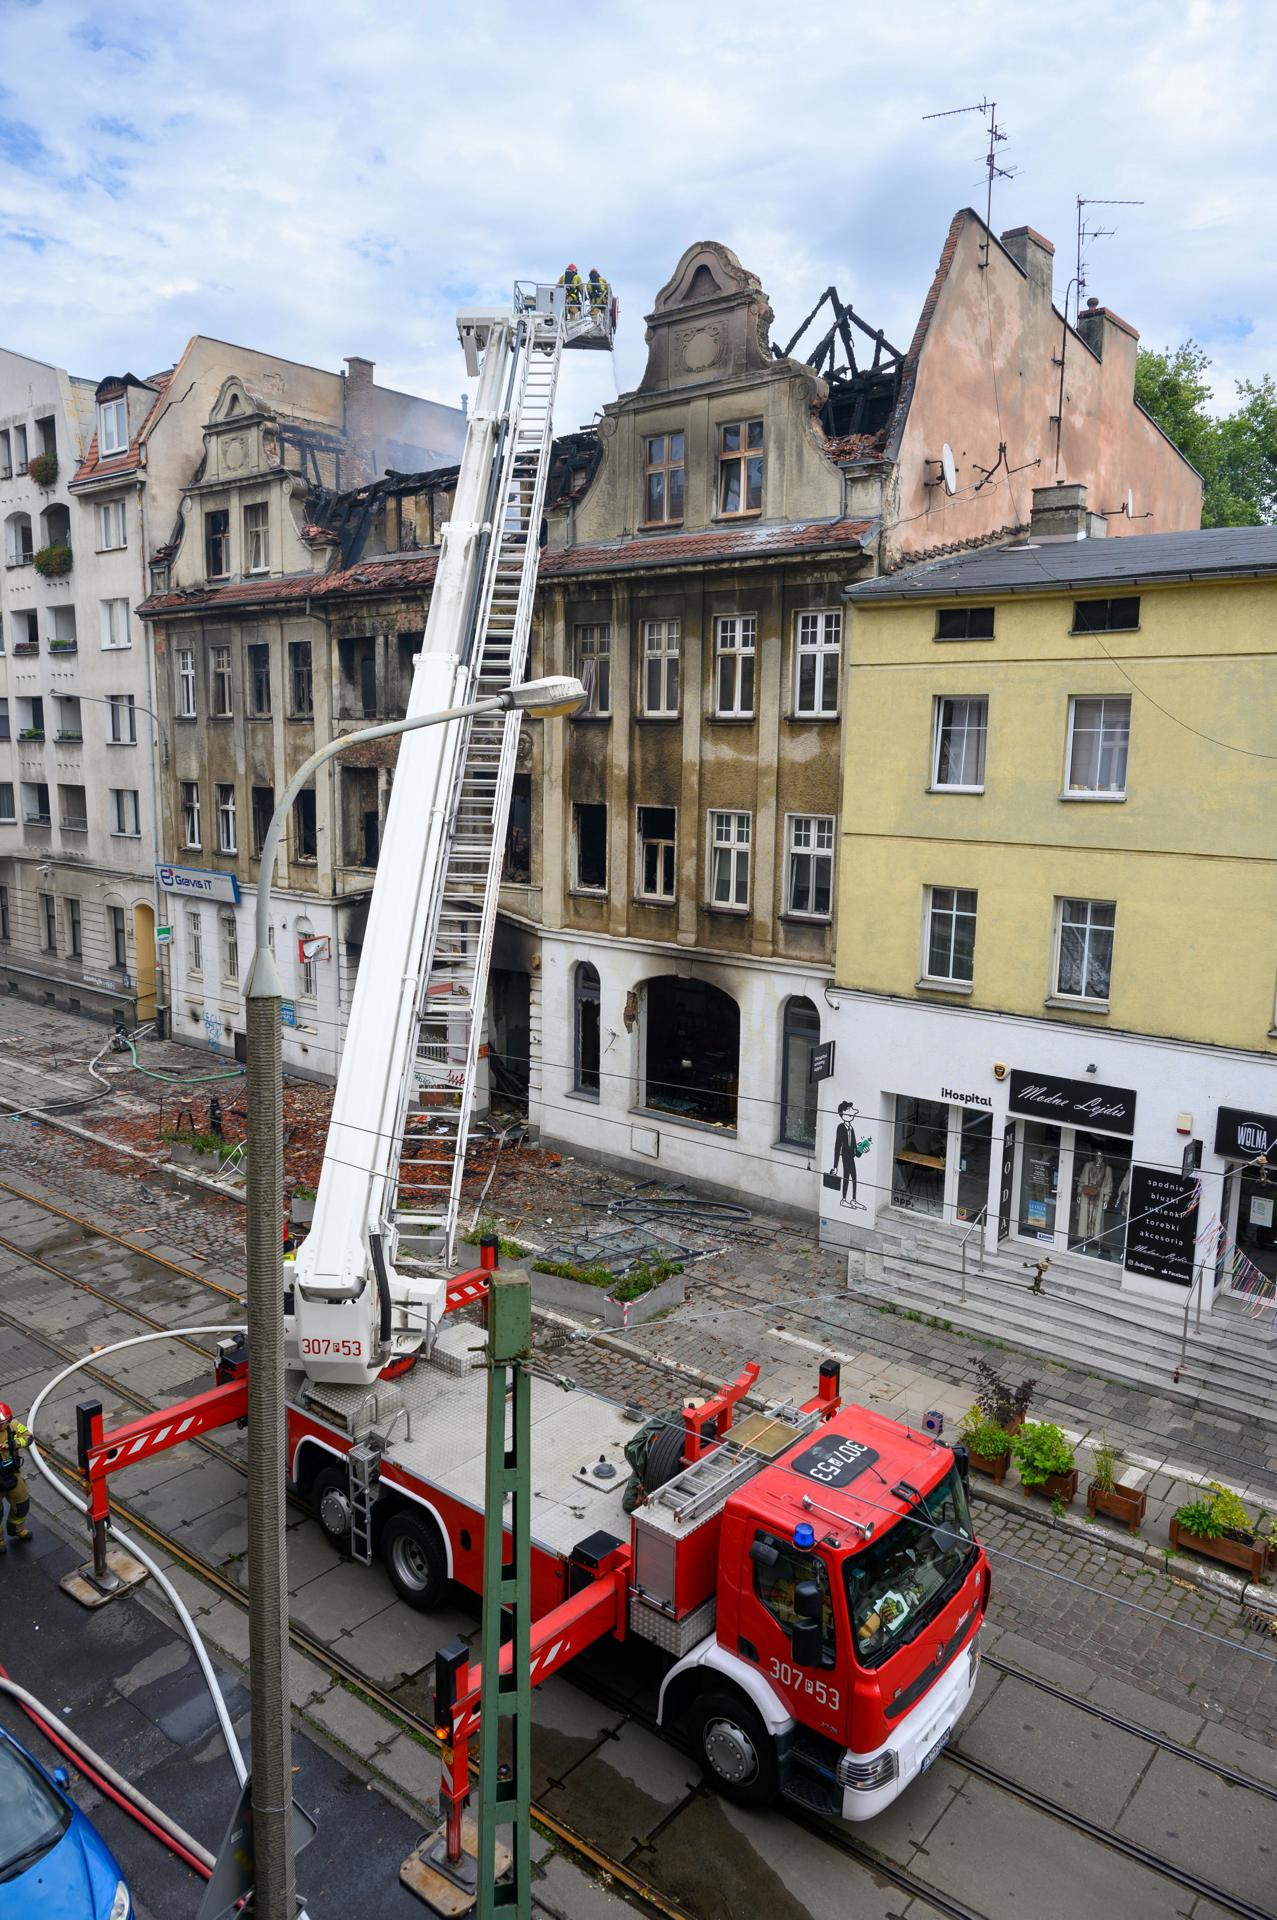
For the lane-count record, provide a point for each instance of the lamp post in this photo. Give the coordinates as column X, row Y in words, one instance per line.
column 275, row 1892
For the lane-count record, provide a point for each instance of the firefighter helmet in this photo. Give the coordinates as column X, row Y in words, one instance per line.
column 6, row 1413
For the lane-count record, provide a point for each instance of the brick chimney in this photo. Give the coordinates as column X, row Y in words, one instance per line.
column 1035, row 254
column 1061, row 513
column 357, row 421
column 1110, row 338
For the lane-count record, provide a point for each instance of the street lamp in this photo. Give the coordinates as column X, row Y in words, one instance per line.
column 275, row 1891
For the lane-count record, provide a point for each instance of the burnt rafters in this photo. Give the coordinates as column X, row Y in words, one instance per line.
column 861, row 393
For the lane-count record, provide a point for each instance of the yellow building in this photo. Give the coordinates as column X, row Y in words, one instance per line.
column 1057, row 918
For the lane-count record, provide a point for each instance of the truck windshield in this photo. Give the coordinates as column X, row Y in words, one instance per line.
column 900, row 1580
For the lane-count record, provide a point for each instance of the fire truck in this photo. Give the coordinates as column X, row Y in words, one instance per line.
column 805, row 1574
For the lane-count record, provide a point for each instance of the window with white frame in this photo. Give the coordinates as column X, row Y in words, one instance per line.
column 809, row 865
column 729, row 848
column 190, row 813
column 229, row 937
column 949, row 946
column 660, row 668
column 226, row 842
column 306, row 974
column 657, row 830
column 961, row 729
column 185, row 683
column 194, row 940
column 219, row 659
column 113, row 426
column 1084, row 949
column 594, row 666
column 257, row 538
column 114, row 622
column 124, row 812
column 1099, row 739
column 817, row 656
column 735, row 641
column 122, row 712
column 111, row 525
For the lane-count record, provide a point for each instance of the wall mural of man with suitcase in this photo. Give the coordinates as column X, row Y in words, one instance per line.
column 847, row 1150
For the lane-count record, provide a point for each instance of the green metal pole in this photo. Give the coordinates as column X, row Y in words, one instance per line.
column 504, row 1800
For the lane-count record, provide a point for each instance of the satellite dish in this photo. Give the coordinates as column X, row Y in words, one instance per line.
column 948, row 469
column 1130, row 503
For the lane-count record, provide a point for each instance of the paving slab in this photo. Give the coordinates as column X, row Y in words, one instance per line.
column 1055, row 1750
column 1257, row 1759
column 561, row 1889
column 414, row 1769
column 1144, row 1709
column 340, row 1599
column 1226, row 1834
column 352, row 1722
column 623, row 1789
column 394, row 1644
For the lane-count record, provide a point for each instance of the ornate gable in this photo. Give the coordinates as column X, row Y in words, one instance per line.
column 710, row 322
column 240, row 438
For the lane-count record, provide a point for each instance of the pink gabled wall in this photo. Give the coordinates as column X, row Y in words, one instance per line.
column 984, row 367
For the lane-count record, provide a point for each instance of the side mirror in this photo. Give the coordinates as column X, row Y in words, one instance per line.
column 763, row 1555
column 61, row 1778
column 962, row 1461
column 807, row 1643
column 808, row 1604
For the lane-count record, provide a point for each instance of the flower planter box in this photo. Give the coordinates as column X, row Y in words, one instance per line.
column 54, row 561
column 192, row 1159
column 595, row 1303
column 994, row 1465
column 301, row 1211
column 1126, row 1504
column 1247, row 1555
column 1056, row 1486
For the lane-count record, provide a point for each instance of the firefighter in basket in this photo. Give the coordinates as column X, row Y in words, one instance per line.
column 13, row 1485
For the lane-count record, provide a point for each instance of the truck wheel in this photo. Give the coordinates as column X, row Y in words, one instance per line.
column 735, row 1748
column 664, row 1458
column 330, row 1498
column 414, row 1557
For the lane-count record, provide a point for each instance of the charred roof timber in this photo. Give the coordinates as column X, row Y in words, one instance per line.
column 861, row 398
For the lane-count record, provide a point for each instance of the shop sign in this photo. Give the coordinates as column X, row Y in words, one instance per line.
column 287, row 1013
column 822, row 1062
column 1008, row 1180
column 1073, row 1103
column 965, row 1099
column 1162, row 1234
column 1242, row 1136
column 199, row 883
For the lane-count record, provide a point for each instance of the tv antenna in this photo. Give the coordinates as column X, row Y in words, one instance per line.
column 1085, row 234
column 997, row 138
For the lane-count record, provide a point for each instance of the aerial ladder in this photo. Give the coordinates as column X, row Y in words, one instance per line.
column 371, row 1280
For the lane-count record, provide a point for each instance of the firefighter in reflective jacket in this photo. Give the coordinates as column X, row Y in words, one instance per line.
column 571, row 279
column 13, row 1486
column 599, row 291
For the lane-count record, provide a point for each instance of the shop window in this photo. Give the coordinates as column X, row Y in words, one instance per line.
column 740, row 468
column 589, row 848
column 594, row 668
column 735, row 645
column 518, row 834
column 817, row 657
column 920, row 1154
column 1099, row 740
column 950, row 935
column 961, row 727
column 729, row 852
column 800, row 1033
column 1107, row 616
column 964, row 623
column 663, row 471
column 809, row 865
column 692, row 1067
column 656, row 835
column 975, row 1156
column 1084, row 949
column 585, row 1027
column 1100, row 1179
column 660, row 669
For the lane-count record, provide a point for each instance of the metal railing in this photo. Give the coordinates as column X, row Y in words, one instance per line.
column 978, row 1222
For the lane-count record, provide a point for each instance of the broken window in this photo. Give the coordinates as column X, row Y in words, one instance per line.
column 259, row 680
column 585, row 1051
column 518, row 837
column 656, row 838
column 217, row 543
column 358, row 696
column 300, row 682
column 663, row 470
column 594, row 667
column 589, row 840
column 660, row 668
column 305, row 836
column 361, row 821
column 263, row 809
column 692, row 1031
column 740, row 467
column 735, row 641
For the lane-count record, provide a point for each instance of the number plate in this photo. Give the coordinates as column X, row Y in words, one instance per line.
column 933, row 1752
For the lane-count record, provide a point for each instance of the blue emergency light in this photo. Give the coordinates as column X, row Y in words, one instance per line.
column 804, row 1536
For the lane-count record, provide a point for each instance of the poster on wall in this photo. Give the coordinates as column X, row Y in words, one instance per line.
column 1162, row 1230
column 849, row 1146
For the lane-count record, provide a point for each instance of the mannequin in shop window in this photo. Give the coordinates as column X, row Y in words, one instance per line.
column 1094, row 1186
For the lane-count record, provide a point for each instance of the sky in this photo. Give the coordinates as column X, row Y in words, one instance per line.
column 336, row 177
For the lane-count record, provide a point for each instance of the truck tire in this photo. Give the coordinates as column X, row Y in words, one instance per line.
column 330, row 1499
column 735, row 1748
column 664, row 1458
column 415, row 1560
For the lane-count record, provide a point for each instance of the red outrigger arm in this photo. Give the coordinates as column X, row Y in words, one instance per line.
column 590, row 1614
column 103, row 1453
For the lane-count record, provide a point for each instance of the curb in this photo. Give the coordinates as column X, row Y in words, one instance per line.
column 1219, row 1585
column 160, row 1169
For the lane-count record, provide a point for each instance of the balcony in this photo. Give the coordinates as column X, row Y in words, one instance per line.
column 20, row 559
column 54, row 561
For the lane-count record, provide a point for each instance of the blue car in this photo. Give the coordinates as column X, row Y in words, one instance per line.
column 53, row 1863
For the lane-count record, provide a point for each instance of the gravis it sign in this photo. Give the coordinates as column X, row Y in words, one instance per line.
column 197, row 883
column 1073, row 1103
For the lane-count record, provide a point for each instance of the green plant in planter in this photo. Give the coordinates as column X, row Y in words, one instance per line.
column 1106, row 1460
column 303, row 1192
column 983, row 1436
column 53, row 561
column 43, row 469
column 1217, row 1511
column 1041, row 1450
column 1201, row 1518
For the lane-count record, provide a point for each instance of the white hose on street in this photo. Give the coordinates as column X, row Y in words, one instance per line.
column 165, row 1584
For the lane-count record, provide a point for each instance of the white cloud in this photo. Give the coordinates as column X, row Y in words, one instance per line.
column 326, row 180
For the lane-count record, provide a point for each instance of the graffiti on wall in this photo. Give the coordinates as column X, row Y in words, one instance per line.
column 848, row 1148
